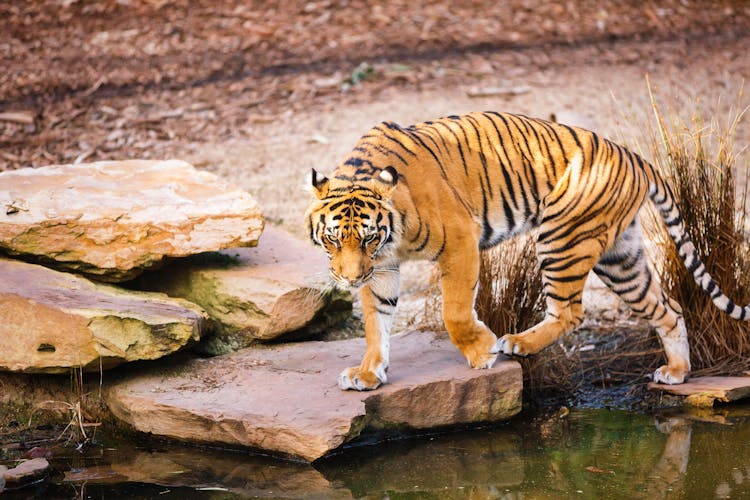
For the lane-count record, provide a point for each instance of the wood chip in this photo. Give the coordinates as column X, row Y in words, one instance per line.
column 255, row 118
column 22, row 117
column 497, row 91
column 320, row 139
column 9, row 156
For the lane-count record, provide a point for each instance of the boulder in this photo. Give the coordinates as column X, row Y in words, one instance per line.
column 253, row 294
column 284, row 399
column 51, row 321
column 113, row 219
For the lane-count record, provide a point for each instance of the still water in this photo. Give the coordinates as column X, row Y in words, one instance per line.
column 588, row 453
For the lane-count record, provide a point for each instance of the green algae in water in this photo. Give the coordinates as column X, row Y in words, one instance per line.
column 591, row 453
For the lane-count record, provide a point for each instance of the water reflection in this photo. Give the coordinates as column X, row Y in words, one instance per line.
column 222, row 472
column 587, row 454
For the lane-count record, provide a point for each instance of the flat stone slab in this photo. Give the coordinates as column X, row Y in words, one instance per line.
column 284, row 400
column 704, row 391
column 52, row 321
column 113, row 219
column 253, row 294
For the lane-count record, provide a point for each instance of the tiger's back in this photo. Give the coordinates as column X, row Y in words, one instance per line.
column 498, row 169
column 445, row 189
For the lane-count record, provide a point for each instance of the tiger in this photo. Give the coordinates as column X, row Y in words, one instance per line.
column 446, row 189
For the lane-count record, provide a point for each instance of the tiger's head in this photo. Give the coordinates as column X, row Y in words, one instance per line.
column 355, row 223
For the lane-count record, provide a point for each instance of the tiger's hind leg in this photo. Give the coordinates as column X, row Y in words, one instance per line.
column 625, row 269
column 564, row 274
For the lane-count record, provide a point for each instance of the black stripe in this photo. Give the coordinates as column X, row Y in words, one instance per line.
column 510, row 223
column 416, row 137
column 458, row 143
column 487, row 230
column 562, row 298
column 730, row 307
column 503, row 166
column 623, row 291
column 643, row 293
column 419, row 229
column 390, row 152
column 426, row 240
column 696, row 263
column 618, row 279
column 390, row 301
column 442, row 247
column 566, row 265
column 401, row 144
column 631, row 263
column 566, row 279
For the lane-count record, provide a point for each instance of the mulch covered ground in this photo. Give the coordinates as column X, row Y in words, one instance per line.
column 141, row 78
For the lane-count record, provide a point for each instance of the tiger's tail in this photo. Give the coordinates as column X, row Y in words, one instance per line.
column 662, row 197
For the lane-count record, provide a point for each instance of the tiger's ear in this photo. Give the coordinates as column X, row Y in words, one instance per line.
column 386, row 181
column 319, row 183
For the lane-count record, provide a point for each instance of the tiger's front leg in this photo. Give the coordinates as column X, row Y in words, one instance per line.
column 459, row 267
column 379, row 298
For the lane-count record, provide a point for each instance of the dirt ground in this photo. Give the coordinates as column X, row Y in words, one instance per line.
column 261, row 91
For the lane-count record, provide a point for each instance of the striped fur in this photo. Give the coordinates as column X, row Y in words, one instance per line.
column 445, row 189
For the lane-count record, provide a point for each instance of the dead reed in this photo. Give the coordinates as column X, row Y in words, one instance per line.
column 700, row 163
column 510, row 287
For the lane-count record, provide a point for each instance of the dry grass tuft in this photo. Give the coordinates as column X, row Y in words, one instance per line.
column 510, row 287
column 700, row 164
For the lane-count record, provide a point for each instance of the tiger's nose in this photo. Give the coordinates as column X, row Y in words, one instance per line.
column 354, row 279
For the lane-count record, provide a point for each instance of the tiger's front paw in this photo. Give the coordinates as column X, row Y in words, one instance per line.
column 514, row 344
column 362, row 380
column 481, row 354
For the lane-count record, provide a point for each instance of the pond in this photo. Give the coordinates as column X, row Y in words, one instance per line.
column 586, row 453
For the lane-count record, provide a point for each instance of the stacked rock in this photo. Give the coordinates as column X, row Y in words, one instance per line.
column 66, row 229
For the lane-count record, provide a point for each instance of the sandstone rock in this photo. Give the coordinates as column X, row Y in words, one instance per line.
column 51, row 321
column 252, row 294
column 25, row 472
column 705, row 391
column 284, row 400
column 113, row 219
